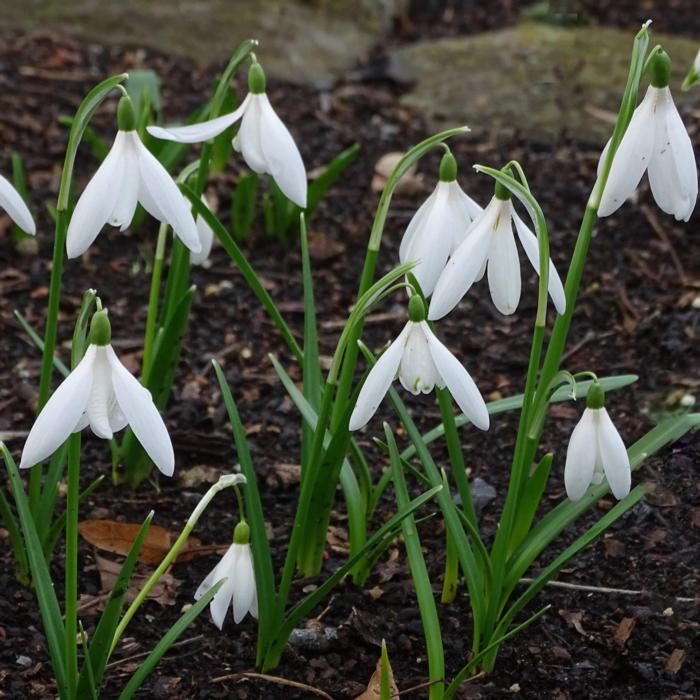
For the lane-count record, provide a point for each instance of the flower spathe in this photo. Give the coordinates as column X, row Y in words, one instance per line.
column 128, row 175
column 596, row 452
column 13, row 204
column 421, row 362
column 102, row 393
column 238, row 591
column 263, row 139
column 489, row 247
column 656, row 141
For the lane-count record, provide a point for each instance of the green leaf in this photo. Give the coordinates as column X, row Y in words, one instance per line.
column 319, row 186
column 166, row 642
column 39, row 342
column 16, row 540
column 243, row 205
column 530, row 500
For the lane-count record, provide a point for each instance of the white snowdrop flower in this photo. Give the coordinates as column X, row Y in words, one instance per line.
column 128, row 175
column 656, row 142
column 263, row 139
column 421, row 362
column 438, row 227
column 205, row 235
column 13, row 204
column 596, row 452
column 239, row 590
column 102, row 393
column 489, row 247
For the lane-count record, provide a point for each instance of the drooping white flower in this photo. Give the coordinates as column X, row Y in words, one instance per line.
column 489, row 246
column 128, row 175
column 263, row 139
column 438, row 227
column 102, row 393
column 206, row 237
column 422, row 362
column 656, row 141
column 13, row 204
column 596, row 452
column 239, row 591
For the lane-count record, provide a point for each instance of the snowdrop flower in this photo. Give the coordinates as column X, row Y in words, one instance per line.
column 129, row 174
column 265, row 142
column 205, row 235
column 693, row 74
column 239, row 590
column 657, row 142
column 489, row 247
column 421, row 362
column 596, row 452
column 102, row 393
column 438, row 227
column 13, row 204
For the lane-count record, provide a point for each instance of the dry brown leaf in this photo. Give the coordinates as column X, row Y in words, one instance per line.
column 675, row 661
column 374, row 685
column 573, row 619
column 410, row 183
column 624, row 630
column 196, row 476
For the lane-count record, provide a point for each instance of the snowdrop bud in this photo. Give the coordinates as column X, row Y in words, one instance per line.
column 660, row 69
column 256, row 79
column 596, row 396
column 100, row 328
column 448, row 168
column 416, row 309
column 241, row 534
column 126, row 118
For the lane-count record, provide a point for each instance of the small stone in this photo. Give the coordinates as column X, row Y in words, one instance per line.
column 668, row 612
column 24, row 661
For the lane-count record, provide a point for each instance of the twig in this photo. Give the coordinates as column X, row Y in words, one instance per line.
column 146, row 653
column 602, row 589
column 272, row 679
column 584, row 341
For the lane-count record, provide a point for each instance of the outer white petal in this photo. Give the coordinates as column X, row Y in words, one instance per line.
column 98, row 200
column 503, row 270
column 469, row 210
column 456, row 378
column 417, row 371
column 202, row 131
column 581, row 455
column 244, row 576
column 247, row 140
column 220, row 602
column 632, row 156
column 672, row 173
column 206, row 237
column 378, row 381
column 136, row 404
column 613, row 453
column 162, row 198
column 432, row 243
column 464, row 265
column 13, row 204
column 62, row 412
column 127, row 197
column 528, row 240
column 101, row 396
column 281, row 154
column 416, row 225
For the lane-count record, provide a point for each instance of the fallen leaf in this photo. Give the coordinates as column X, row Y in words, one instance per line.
column 410, row 183
column 196, row 476
column 624, row 630
column 675, row 661
column 373, row 691
column 573, row 619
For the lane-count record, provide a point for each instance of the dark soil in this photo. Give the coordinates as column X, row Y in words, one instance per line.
column 635, row 314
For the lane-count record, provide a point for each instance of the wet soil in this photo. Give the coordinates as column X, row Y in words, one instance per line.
column 635, row 314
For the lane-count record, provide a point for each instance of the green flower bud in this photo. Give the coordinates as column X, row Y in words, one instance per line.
column 596, row 396
column 256, row 79
column 501, row 192
column 660, row 69
column 416, row 309
column 126, row 117
column 241, row 534
column 100, row 328
column 448, row 168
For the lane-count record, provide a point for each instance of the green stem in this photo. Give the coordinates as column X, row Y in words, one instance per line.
column 71, row 573
column 154, row 295
column 451, row 580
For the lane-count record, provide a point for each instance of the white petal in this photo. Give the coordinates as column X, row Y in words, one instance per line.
column 616, row 463
column 101, row 396
column 247, row 139
column 632, row 156
column 206, row 237
column 416, row 225
column 137, row 406
column 528, row 240
column 127, row 194
column 469, row 210
column 503, row 270
column 431, row 244
column 61, row 413
column 464, row 265
column 244, row 576
column 13, row 204
column 162, row 198
column 202, row 131
column 417, row 372
column 672, row 173
column 456, row 378
column 378, row 381
column 220, row 602
column 603, row 156
column 581, row 455
column 222, row 569
column 282, row 157
column 98, row 200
